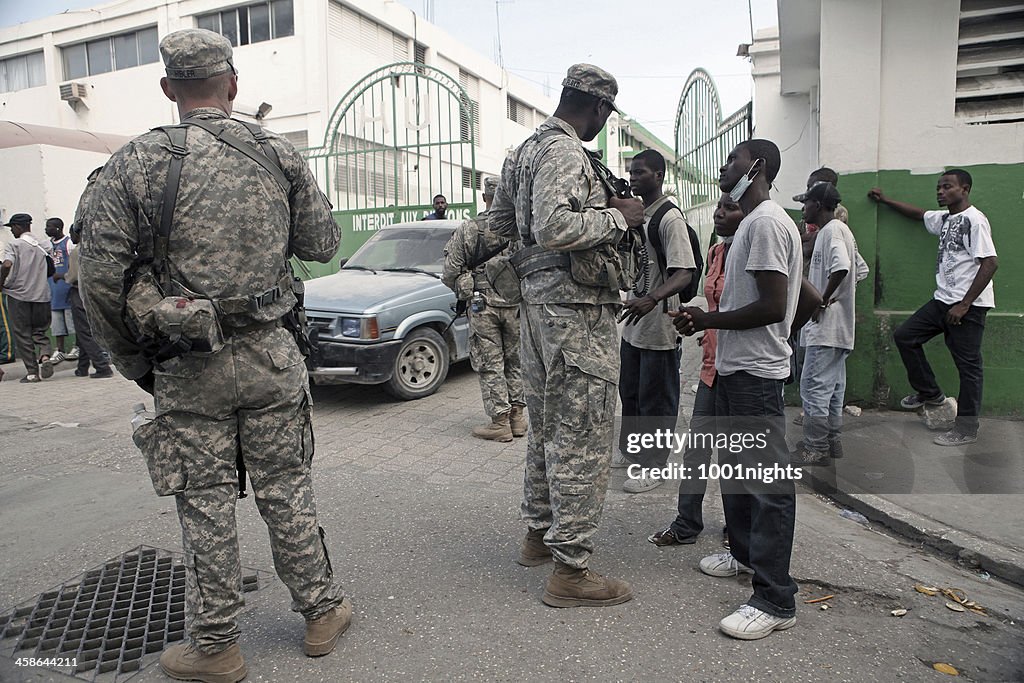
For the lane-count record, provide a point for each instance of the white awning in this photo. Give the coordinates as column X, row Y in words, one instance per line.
column 19, row 134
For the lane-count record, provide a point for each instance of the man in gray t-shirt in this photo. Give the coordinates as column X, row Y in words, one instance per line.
column 763, row 277
column 23, row 279
column 649, row 351
column 828, row 337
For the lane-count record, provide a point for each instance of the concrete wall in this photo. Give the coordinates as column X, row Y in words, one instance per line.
column 44, row 182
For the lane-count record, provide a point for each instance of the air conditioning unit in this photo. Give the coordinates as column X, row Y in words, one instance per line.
column 73, row 92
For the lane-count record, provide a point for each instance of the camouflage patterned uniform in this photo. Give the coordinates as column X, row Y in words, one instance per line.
column 229, row 241
column 494, row 331
column 569, row 340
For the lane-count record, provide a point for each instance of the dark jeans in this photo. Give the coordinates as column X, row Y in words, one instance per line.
column 689, row 520
column 649, row 392
column 964, row 344
column 30, row 321
column 760, row 524
column 89, row 350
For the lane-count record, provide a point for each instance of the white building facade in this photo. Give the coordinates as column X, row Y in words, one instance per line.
column 98, row 70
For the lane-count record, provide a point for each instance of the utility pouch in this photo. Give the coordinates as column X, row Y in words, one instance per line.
column 503, row 280
column 193, row 321
column 598, row 267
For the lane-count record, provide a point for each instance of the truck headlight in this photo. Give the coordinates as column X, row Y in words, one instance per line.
column 351, row 327
column 360, row 328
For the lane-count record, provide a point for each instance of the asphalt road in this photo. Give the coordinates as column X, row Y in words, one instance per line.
column 422, row 524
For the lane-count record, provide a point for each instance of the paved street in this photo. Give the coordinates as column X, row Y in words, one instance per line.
column 422, row 525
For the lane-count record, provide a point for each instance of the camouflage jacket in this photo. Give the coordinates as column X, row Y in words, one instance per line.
column 472, row 237
column 549, row 191
column 233, row 227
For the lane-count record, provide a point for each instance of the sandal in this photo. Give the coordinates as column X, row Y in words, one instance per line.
column 668, row 537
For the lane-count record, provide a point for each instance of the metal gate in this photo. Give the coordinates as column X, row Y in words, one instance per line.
column 703, row 141
column 403, row 134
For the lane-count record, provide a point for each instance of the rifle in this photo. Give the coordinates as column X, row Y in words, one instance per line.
column 632, row 243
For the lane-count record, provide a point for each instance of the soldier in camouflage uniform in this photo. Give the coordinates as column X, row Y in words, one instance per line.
column 550, row 195
column 494, row 330
column 234, row 225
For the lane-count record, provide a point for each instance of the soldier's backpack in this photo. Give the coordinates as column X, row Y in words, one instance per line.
column 654, row 235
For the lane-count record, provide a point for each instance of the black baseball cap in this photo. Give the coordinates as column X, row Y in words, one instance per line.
column 19, row 219
column 825, row 193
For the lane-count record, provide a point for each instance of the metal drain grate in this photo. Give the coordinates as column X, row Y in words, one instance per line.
column 101, row 624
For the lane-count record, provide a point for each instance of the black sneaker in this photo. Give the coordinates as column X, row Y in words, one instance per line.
column 668, row 536
column 79, row 372
column 915, row 401
column 102, row 374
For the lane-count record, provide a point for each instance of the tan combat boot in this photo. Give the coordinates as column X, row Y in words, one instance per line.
column 185, row 663
column 498, row 430
column 533, row 552
column 517, row 420
column 323, row 632
column 571, row 587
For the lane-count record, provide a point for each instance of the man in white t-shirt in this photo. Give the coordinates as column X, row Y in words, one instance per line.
column 828, row 337
column 963, row 296
column 763, row 277
column 649, row 351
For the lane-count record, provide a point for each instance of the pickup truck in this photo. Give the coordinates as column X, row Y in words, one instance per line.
column 386, row 317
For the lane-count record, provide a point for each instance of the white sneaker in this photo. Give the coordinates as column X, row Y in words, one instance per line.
column 750, row 623
column 72, row 354
column 642, row 484
column 723, row 564
column 58, row 357
column 619, row 460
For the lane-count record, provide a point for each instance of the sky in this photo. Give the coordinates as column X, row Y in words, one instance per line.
column 650, row 46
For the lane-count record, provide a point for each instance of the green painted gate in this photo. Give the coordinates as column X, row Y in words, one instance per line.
column 401, row 135
column 703, row 141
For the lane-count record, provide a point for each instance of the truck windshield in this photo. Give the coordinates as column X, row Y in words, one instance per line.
column 398, row 248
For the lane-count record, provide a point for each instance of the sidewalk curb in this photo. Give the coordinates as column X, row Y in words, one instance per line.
column 994, row 558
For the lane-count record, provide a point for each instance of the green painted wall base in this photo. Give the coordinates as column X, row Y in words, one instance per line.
column 902, row 257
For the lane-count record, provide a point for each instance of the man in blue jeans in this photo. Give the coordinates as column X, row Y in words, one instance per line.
column 829, row 337
column 963, row 296
column 763, row 276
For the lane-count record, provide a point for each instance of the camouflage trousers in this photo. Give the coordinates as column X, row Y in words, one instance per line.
column 250, row 397
column 494, row 354
column 570, row 369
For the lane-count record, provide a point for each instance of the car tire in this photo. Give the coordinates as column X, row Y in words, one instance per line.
column 420, row 367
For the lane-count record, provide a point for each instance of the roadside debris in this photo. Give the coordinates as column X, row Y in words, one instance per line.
column 898, row 612
column 816, row 600
column 854, row 516
column 942, row 667
column 958, row 601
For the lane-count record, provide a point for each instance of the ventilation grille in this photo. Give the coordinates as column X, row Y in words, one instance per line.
column 990, row 62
